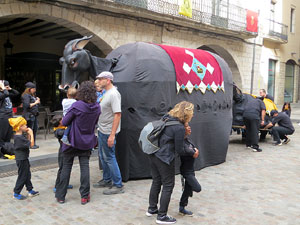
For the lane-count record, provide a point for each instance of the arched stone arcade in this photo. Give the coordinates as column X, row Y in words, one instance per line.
column 236, row 76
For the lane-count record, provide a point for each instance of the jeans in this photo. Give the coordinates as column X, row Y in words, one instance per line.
column 162, row 175
column 111, row 171
column 32, row 123
column 66, row 133
column 68, row 158
column 24, row 176
column 280, row 133
column 60, row 166
column 252, row 129
column 191, row 184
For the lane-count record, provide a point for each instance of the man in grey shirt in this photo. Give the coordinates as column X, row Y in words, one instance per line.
column 108, row 128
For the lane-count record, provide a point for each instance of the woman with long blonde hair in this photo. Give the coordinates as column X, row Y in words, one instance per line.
column 163, row 161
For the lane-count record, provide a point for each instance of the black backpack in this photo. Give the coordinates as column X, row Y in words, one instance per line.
column 150, row 134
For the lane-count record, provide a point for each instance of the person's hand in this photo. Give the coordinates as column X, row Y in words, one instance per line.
column 111, row 140
column 2, row 87
column 262, row 123
column 29, row 131
column 37, row 101
column 196, row 154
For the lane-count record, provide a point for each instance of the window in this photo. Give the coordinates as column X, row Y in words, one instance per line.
column 271, row 77
column 292, row 21
column 289, row 81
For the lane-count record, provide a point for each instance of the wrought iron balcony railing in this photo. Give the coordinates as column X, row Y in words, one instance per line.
column 218, row 13
column 278, row 30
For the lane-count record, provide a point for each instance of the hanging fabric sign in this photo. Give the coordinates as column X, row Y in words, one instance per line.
column 185, row 8
column 195, row 69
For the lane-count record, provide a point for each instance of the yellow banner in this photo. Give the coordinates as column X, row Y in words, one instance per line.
column 185, row 8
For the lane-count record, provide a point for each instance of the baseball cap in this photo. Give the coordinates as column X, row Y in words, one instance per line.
column 30, row 85
column 106, row 74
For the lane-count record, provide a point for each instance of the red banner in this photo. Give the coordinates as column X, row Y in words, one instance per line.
column 195, row 69
column 252, row 21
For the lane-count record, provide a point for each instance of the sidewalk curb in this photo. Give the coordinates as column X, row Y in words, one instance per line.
column 10, row 165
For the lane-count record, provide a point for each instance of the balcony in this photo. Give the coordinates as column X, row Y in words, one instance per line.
column 277, row 32
column 210, row 15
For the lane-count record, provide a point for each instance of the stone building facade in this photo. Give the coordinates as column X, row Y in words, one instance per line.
column 113, row 23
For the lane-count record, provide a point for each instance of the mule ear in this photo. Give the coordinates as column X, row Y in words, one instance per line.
column 81, row 43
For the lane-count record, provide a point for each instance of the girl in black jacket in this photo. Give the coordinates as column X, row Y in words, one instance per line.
column 162, row 162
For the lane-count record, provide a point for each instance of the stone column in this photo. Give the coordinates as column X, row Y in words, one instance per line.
column 296, row 83
column 279, row 83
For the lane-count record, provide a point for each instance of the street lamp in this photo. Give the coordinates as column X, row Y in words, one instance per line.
column 8, row 46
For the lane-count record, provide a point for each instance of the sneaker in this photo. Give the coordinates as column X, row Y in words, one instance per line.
column 151, row 212
column 287, row 140
column 34, row 147
column 256, row 149
column 19, row 196
column 60, row 201
column 248, row 146
column 102, row 183
column 278, row 143
column 65, row 140
column 114, row 190
column 184, row 212
column 165, row 220
column 85, row 200
column 33, row 193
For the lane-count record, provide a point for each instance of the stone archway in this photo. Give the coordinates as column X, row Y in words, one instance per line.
column 236, row 76
column 72, row 19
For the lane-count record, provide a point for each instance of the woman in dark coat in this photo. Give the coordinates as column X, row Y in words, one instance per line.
column 31, row 109
column 83, row 115
column 163, row 162
column 6, row 112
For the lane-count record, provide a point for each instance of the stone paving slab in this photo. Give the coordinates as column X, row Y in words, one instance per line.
column 249, row 188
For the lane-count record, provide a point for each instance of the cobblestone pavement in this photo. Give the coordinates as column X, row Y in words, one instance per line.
column 249, row 188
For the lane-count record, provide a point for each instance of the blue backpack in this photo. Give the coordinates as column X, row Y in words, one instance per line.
column 150, row 134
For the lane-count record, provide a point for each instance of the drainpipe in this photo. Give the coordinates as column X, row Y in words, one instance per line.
column 252, row 69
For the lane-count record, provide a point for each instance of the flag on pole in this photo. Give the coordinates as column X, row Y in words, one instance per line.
column 252, row 21
column 185, row 8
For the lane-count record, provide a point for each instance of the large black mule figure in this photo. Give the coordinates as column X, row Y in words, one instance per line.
column 145, row 76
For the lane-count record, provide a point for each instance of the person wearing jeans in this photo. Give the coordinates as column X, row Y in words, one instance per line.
column 163, row 162
column 111, row 171
column 108, row 128
column 68, row 158
column 83, row 115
